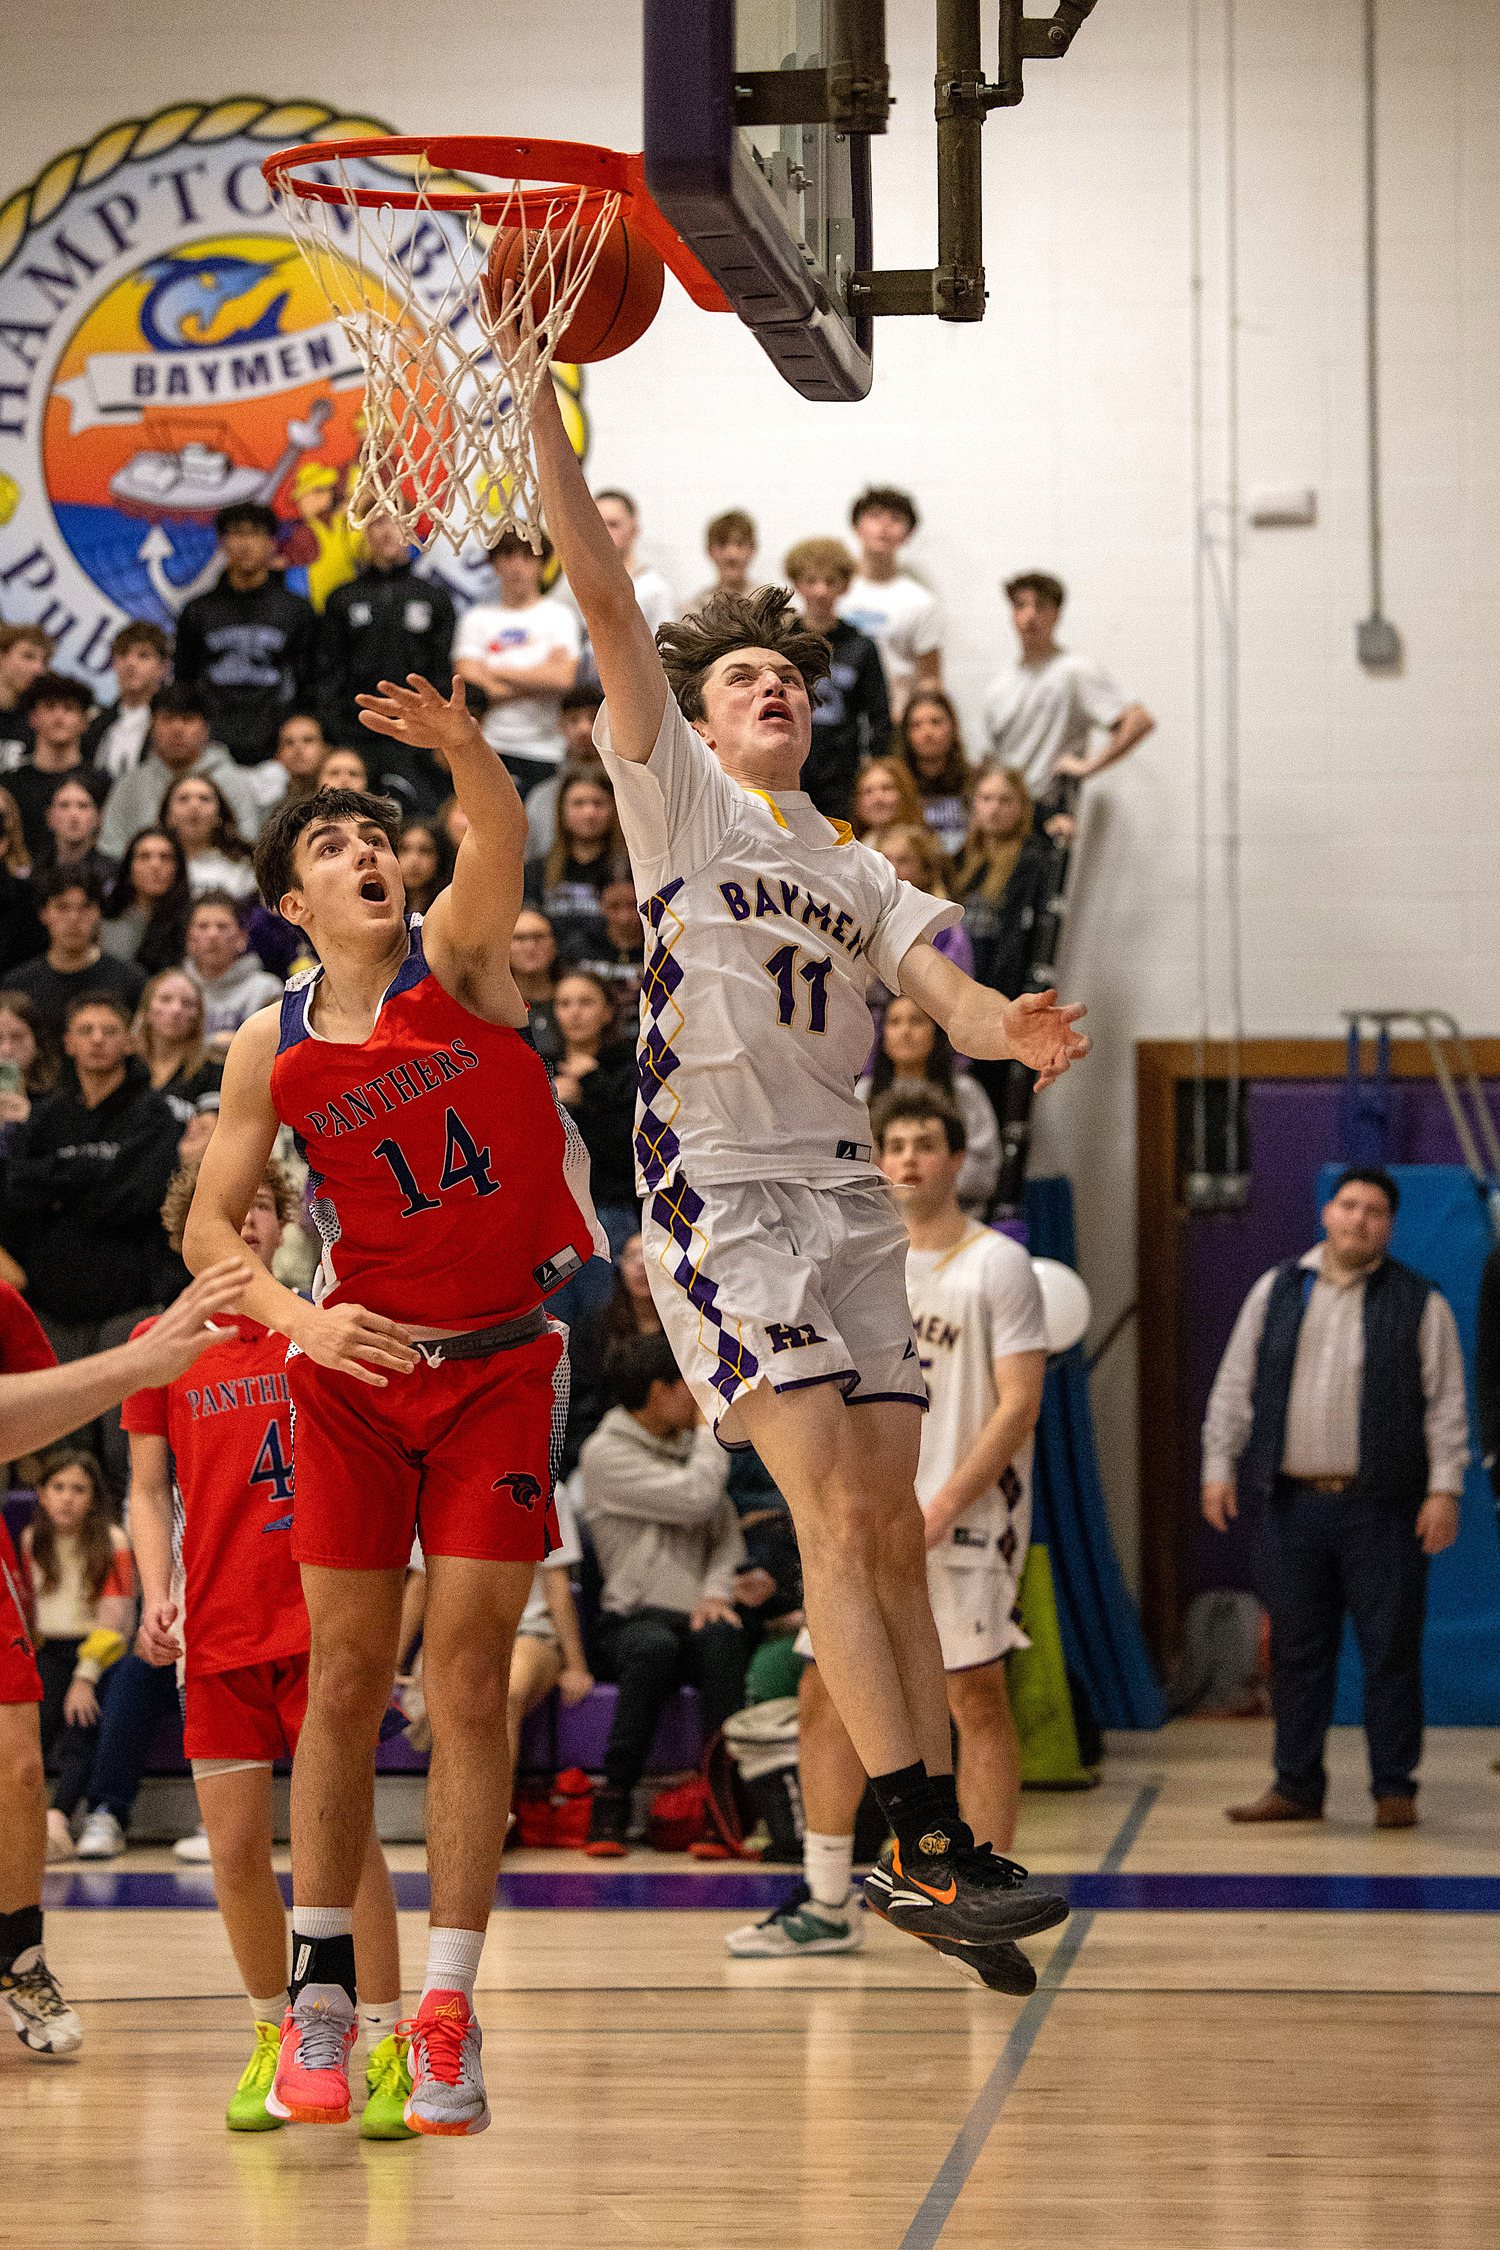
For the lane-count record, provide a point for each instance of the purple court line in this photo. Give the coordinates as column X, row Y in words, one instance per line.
column 1104, row 1891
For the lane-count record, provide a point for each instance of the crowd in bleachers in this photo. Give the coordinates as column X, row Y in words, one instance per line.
column 133, row 946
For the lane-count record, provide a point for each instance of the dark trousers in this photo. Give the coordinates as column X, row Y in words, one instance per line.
column 648, row 1655
column 69, row 1750
column 141, row 1695
column 1321, row 1556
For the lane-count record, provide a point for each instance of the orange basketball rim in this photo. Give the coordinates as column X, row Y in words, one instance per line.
column 579, row 164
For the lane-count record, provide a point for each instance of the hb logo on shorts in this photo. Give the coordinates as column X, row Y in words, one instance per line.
column 782, row 1336
column 524, row 1490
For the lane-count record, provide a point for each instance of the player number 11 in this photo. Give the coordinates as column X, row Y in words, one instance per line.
column 783, row 970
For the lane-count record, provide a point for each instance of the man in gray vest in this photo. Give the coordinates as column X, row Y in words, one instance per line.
column 1341, row 1397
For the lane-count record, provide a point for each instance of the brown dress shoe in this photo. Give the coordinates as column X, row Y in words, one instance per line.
column 1273, row 1806
column 1395, row 1812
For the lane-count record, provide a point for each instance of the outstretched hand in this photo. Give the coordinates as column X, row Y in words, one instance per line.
column 1040, row 1034
column 417, row 713
column 171, row 1344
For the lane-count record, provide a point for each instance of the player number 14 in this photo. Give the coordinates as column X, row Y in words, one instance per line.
column 461, row 1161
column 784, row 971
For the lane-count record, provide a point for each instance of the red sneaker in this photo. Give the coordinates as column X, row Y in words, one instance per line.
column 311, row 2086
column 447, row 2084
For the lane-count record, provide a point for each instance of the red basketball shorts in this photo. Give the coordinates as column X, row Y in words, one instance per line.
column 254, row 1712
column 20, row 1681
column 461, row 1453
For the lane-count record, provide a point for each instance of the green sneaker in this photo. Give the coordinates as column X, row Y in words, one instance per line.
column 247, row 2111
column 387, row 2085
column 797, row 1926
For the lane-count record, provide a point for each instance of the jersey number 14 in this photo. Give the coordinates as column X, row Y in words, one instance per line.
column 461, row 1161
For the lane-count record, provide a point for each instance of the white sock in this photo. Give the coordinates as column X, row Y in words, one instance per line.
column 269, row 2010
column 380, row 2018
column 827, row 1868
column 452, row 1961
column 322, row 1921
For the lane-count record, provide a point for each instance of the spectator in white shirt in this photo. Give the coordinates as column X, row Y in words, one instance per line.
column 521, row 653
column 894, row 609
column 196, row 811
column 1042, row 711
column 140, row 656
column 731, row 543
column 623, row 523
column 293, row 772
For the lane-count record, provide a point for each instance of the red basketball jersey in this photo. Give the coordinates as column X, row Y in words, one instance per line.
column 228, row 1421
column 448, row 1185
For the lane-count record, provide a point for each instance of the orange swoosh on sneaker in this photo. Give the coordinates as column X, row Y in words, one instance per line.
column 943, row 1898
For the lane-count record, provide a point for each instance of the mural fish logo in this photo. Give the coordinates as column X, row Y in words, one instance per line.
column 164, row 350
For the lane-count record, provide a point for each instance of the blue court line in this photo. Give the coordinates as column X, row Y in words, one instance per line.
column 1104, row 1891
column 953, row 2174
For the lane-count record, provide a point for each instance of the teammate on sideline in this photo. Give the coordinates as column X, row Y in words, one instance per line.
column 38, row 1405
column 775, row 1253
column 224, row 1431
column 981, row 1332
column 449, row 1192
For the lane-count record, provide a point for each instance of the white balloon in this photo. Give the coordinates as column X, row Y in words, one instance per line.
column 1065, row 1300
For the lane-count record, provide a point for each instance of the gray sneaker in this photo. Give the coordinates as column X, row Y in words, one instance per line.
column 447, row 2084
column 44, row 2022
column 799, row 1925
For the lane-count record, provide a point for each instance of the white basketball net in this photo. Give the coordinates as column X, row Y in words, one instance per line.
column 449, row 389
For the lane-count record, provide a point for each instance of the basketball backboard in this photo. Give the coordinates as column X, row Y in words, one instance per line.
column 759, row 115
column 777, row 207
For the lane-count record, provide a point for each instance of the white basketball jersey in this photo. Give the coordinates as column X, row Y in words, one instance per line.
column 971, row 1305
column 765, row 925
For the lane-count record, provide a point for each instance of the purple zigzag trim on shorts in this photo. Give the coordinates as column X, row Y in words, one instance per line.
column 656, row 1145
column 676, row 1209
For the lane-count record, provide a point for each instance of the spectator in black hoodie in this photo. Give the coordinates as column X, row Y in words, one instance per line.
column 71, row 908
column 248, row 645
column 380, row 626
column 83, row 1190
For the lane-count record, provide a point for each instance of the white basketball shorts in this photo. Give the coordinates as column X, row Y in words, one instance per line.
column 760, row 1282
column 975, row 1614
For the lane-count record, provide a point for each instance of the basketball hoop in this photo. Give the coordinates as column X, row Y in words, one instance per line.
column 452, row 375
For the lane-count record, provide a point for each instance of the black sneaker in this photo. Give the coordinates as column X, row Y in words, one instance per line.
column 999, row 1968
column 970, row 1897
column 608, row 1817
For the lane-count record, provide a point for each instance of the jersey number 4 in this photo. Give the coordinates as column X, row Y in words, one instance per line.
column 784, row 972
column 461, row 1161
column 272, row 1467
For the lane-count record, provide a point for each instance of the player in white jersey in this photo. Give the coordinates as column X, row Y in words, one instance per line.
column 776, row 1256
column 981, row 1333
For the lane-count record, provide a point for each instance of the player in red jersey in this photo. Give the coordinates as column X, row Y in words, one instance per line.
column 223, row 1431
column 39, row 1403
column 426, row 1379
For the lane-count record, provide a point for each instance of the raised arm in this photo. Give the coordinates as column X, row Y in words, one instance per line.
column 346, row 1337
column 466, row 934
column 630, row 670
column 1031, row 1029
column 43, row 1405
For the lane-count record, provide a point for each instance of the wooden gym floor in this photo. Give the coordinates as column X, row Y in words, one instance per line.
column 1301, row 2057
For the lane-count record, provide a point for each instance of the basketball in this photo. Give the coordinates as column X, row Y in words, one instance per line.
column 618, row 303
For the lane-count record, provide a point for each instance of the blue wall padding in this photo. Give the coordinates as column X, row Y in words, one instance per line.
column 1442, row 1229
column 1101, row 1631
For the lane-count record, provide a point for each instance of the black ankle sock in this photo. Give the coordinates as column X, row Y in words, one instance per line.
column 324, row 1960
column 19, row 1932
column 919, row 1808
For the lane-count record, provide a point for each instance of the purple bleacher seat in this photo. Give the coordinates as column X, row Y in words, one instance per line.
column 582, row 1732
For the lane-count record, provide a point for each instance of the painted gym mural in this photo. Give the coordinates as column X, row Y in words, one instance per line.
column 164, row 350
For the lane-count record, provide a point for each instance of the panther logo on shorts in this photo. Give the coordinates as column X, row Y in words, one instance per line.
column 524, row 1490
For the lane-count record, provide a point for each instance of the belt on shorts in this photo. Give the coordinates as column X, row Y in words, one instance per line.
column 1325, row 1485
column 504, row 1336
